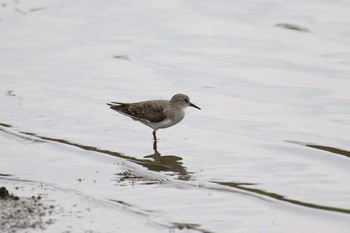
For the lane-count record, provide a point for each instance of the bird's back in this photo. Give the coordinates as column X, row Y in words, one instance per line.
column 145, row 111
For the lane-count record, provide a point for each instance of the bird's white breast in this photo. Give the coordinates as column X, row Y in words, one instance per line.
column 162, row 124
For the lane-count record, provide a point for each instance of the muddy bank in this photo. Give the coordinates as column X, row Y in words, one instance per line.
column 20, row 213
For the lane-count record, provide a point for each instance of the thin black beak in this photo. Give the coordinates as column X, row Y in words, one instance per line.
column 195, row 106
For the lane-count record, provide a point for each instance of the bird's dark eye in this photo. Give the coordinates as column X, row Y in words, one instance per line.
column 186, row 100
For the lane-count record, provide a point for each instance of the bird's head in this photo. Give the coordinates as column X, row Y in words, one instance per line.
column 183, row 101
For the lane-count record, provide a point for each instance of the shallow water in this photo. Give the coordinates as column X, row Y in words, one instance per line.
column 269, row 149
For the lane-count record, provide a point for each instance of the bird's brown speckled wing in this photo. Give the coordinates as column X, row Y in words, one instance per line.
column 142, row 111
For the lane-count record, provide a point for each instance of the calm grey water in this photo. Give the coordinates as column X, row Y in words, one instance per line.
column 268, row 152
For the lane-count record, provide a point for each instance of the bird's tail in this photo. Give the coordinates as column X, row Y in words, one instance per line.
column 116, row 104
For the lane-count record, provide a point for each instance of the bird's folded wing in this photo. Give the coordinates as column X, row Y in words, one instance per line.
column 142, row 111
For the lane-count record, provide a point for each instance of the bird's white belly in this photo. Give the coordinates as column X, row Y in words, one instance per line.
column 162, row 124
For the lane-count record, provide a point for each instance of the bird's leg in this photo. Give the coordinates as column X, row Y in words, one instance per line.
column 155, row 145
column 154, row 135
column 154, row 140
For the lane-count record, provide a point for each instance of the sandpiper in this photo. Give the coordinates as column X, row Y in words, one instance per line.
column 156, row 114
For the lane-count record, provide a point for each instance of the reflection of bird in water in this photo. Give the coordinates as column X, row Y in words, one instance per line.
column 156, row 114
column 171, row 163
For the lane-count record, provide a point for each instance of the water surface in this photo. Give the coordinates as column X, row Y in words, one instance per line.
column 269, row 149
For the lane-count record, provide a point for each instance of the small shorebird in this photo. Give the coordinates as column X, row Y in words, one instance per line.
column 156, row 114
